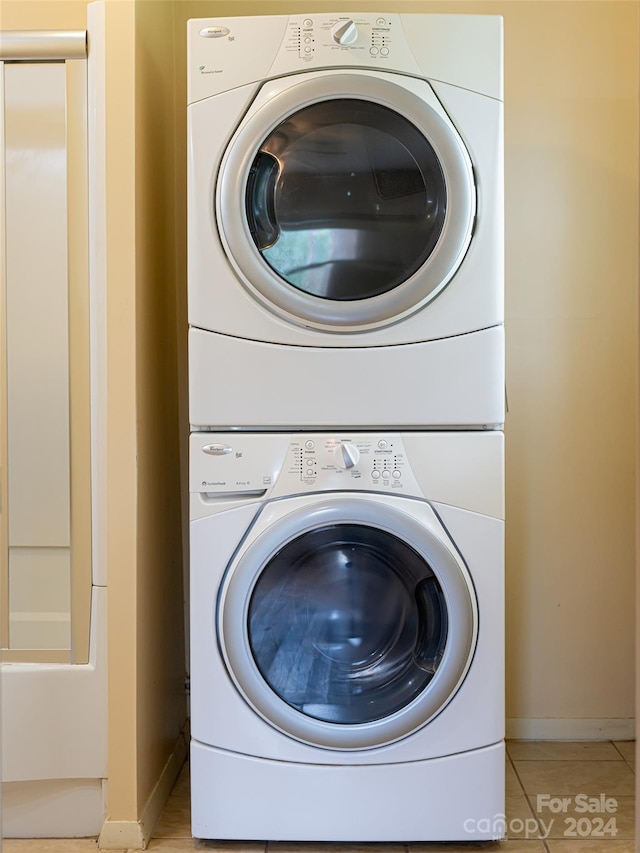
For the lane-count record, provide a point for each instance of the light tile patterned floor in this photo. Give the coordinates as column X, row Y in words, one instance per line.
column 549, row 785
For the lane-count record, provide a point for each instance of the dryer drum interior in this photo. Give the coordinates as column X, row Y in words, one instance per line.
column 347, row 624
column 346, row 199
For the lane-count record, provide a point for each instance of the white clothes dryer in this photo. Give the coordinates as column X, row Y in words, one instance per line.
column 345, row 221
column 347, row 636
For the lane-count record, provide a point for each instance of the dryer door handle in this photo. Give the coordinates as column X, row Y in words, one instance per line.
column 261, row 200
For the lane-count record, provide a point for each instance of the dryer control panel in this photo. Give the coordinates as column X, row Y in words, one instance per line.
column 338, row 39
column 227, row 53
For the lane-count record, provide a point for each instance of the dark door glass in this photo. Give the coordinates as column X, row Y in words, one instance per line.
column 346, row 199
column 347, row 624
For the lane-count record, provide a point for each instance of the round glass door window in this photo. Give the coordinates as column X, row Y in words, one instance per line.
column 347, row 624
column 346, row 199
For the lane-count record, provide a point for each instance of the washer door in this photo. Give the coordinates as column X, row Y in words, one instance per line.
column 348, row 624
column 346, row 201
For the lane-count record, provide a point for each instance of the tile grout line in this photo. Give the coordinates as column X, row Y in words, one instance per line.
column 618, row 750
column 513, row 767
column 624, row 758
column 528, row 801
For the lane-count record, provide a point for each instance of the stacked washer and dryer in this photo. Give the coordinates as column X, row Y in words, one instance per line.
column 346, row 364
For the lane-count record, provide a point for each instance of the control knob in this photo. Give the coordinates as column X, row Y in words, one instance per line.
column 345, row 32
column 346, row 455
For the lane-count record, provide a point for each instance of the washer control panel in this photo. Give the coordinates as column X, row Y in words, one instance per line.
column 361, row 461
column 224, row 464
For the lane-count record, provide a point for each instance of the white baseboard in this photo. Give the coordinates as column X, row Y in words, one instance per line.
column 563, row 729
column 121, row 834
column 136, row 834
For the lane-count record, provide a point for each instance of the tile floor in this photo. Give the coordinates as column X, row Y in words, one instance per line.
column 544, row 811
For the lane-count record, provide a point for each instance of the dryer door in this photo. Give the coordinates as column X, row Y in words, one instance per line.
column 346, row 200
column 348, row 623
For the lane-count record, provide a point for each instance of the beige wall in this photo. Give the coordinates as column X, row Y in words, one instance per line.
column 161, row 655
column 572, row 274
column 43, row 14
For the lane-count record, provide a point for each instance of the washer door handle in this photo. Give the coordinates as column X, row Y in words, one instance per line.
column 432, row 625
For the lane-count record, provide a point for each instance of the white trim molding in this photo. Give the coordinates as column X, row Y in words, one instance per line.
column 122, row 835
column 39, row 45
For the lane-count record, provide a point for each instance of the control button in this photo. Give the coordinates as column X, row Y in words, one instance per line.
column 307, row 50
column 345, row 32
column 382, row 444
column 381, row 22
column 307, row 22
column 396, row 474
column 373, row 51
column 375, row 475
column 307, row 40
column 309, row 472
column 309, row 444
column 386, row 474
column 384, row 51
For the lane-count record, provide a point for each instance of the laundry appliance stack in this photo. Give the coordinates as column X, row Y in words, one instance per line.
column 346, row 370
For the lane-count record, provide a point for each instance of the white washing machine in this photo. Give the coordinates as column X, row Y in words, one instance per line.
column 347, row 636
column 345, row 221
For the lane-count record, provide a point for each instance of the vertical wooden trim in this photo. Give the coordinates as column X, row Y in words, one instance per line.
column 117, row 100
column 79, row 362
column 4, row 528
